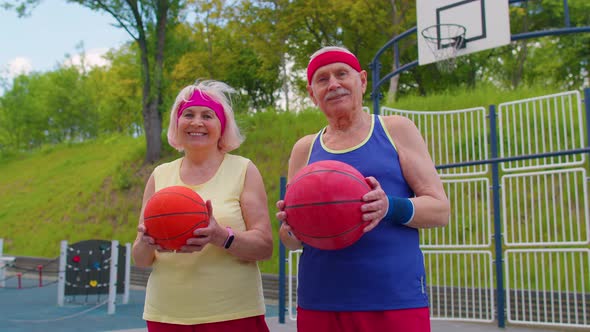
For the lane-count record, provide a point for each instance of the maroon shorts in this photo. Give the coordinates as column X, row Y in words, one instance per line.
column 248, row 324
column 404, row 320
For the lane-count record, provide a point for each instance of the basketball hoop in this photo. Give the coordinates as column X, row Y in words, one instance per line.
column 444, row 41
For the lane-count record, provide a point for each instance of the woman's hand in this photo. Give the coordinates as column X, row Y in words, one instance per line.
column 213, row 233
column 146, row 239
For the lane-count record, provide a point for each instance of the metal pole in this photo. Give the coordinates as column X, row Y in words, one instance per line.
column 376, row 67
column 566, row 12
column 2, row 265
column 61, row 280
column 127, row 285
column 282, row 258
column 40, row 269
column 587, row 106
column 497, row 219
column 113, row 277
column 375, row 95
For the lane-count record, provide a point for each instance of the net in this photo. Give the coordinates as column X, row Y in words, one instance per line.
column 444, row 41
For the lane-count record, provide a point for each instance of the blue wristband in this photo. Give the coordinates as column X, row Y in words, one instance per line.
column 400, row 211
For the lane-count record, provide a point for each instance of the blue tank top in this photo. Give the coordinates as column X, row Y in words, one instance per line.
column 384, row 269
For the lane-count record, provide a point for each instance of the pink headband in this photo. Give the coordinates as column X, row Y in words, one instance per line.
column 200, row 98
column 330, row 57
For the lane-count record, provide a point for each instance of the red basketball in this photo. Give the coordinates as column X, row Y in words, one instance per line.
column 172, row 214
column 323, row 204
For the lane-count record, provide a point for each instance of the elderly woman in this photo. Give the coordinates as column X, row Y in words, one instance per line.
column 213, row 282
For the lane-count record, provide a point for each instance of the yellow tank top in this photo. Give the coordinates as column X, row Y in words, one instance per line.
column 211, row 285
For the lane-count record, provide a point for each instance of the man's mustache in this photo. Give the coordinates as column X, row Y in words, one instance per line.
column 336, row 93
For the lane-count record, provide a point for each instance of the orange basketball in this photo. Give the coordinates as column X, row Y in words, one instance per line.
column 323, row 204
column 172, row 214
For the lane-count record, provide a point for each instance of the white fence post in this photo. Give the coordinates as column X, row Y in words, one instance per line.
column 127, row 272
column 113, row 277
column 3, row 262
column 61, row 280
column 2, row 275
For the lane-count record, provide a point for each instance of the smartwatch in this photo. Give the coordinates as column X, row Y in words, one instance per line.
column 230, row 238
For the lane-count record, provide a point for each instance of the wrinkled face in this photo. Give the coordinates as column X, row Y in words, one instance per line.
column 337, row 87
column 198, row 126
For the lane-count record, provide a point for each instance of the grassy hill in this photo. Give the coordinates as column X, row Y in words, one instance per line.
column 69, row 192
column 93, row 190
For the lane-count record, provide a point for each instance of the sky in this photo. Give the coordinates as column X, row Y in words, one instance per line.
column 41, row 41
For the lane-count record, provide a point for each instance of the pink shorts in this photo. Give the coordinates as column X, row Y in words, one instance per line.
column 404, row 320
column 248, row 324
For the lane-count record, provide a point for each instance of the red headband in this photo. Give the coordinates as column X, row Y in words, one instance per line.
column 330, row 57
column 200, row 98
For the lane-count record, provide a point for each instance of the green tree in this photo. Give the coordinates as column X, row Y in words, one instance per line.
column 23, row 118
column 147, row 22
column 115, row 91
column 558, row 60
column 48, row 108
column 226, row 48
column 257, row 27
column 71, row 117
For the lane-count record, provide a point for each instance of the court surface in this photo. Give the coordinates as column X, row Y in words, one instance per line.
column 32, row 308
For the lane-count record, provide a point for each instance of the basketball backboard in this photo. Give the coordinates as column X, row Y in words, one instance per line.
column 486, row 25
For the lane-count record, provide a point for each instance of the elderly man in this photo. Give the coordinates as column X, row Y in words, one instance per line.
column 379, row 282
